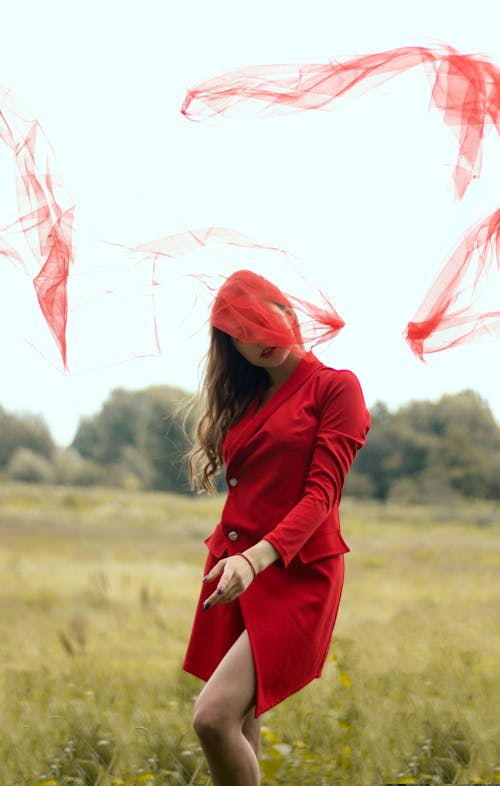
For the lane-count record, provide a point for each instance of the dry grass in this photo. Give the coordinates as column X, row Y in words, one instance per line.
column 97, row 590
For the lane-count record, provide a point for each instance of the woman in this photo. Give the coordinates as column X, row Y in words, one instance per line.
column 287, row 429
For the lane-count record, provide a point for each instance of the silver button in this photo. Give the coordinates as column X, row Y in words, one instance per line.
column 233, row 482
column 233, row 535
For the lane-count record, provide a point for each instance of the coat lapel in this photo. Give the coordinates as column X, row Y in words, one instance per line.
column 305, row 369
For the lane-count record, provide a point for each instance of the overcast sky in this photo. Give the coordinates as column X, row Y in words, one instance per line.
column 361, row 194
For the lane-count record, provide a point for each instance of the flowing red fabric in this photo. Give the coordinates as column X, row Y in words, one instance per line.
column 465, row 89
column 447, row 316
column 247, row 307
column 46, row 223
column 243, row 302
column 45, row 216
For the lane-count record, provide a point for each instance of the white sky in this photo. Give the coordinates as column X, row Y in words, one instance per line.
column 362, row 194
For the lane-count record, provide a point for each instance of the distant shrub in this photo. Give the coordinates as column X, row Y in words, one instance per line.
column 405, row 491
column 359, row 484
column 136, row 464
column 29, row 467
column 122, row 477
column 71, row 469
column 430, row 487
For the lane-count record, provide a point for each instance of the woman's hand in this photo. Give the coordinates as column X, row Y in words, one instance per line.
column 237, row 575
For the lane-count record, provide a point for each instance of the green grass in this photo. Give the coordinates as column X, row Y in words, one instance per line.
column 97, row 591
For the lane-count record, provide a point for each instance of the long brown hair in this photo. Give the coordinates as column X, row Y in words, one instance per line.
column 230, row 383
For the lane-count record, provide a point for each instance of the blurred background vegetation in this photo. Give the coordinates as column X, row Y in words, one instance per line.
column 424, row 452
column 138, row 441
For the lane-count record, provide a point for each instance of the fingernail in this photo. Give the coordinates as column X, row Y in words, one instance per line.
column 220, row 591
column 206, row 605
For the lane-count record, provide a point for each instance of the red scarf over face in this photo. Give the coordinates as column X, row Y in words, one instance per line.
column 252, row 309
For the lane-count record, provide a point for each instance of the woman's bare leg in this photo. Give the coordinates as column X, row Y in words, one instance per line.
column 222, row 711
column 251, row 730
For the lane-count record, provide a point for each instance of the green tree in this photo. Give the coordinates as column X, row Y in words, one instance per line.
column 427, row 451
column 23, row 430
column 141, row 434
column 162, row 437
column 71, row 469
column 103, row 437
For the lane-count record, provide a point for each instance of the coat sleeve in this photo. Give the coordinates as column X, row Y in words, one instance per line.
column 343, row 424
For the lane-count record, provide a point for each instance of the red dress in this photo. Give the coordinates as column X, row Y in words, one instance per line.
column 285, row 468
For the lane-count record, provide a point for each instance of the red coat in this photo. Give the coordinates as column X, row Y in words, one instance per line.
column 285, row 468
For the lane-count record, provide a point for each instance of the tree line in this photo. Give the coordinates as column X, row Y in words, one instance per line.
column 138, row 440
column 422, row 452
column 430, row 452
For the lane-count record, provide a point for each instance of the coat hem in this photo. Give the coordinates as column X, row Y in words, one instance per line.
column 195, row 672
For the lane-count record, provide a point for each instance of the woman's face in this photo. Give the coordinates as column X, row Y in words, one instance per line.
column 260, row 354
column 266, row 355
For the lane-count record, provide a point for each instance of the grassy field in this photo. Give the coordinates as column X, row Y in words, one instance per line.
column 97, row 591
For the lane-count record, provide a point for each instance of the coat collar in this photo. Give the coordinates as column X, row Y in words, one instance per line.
column 308, row 366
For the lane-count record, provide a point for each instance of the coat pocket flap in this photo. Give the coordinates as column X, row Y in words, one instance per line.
column 324, row 543
column 216, row 543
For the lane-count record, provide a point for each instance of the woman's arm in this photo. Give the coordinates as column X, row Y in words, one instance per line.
column 343, row 424
column 262, row 554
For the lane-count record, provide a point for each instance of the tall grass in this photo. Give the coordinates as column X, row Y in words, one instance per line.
column 97, row 591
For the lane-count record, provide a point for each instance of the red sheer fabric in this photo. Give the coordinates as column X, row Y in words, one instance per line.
column 448, row 315
column 252, row 309
column 243, row 302
column 45, row 216
column 465, row 89
column 181, row 243
column 45, row 222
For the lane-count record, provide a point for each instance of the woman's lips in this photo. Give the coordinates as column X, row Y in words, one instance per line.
column 267, row 352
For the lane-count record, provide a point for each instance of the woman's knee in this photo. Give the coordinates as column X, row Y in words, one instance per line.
column 210, row 721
